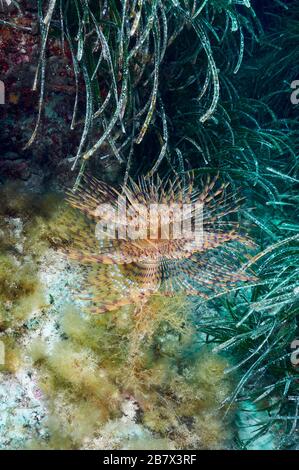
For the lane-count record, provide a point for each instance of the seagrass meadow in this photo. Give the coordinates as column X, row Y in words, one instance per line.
column 128, row 343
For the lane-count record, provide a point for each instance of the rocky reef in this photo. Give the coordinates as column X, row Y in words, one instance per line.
column 72, row 380
column 126, row 93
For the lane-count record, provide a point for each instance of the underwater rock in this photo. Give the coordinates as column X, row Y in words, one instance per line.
column 15, row 168
column 10, row 156
column 19, row 52
column 145, row 376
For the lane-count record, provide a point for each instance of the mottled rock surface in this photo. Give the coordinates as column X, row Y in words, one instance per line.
column 55, row 142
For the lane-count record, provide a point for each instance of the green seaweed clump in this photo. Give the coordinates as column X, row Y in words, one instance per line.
column 28, row 227
column 95, row 369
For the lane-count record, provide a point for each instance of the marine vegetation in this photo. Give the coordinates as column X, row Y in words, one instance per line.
column 146, row 258
column 154, row 343
column 123, row 53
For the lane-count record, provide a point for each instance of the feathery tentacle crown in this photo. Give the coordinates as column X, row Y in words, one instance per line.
column 164, row 235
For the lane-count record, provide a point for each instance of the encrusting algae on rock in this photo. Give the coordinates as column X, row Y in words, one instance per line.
column 143, row 353
column 90, row 370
